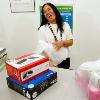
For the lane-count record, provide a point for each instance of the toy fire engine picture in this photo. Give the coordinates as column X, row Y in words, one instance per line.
column 15, row 73
column 27, row 74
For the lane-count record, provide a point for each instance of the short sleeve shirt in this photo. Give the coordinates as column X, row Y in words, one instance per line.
column 46, row 35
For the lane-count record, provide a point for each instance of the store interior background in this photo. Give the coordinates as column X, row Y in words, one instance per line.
column 18, row 30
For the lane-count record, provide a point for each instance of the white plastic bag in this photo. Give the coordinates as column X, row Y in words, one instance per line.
column 94, row 81
column 87, row 68
column 55, row 56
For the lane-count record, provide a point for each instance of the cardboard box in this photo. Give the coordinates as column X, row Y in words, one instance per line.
column 34, row 87
column 27, row 67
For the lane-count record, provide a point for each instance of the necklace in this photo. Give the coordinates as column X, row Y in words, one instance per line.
column 53, row 33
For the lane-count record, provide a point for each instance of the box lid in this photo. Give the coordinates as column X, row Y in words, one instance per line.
column 27, row 60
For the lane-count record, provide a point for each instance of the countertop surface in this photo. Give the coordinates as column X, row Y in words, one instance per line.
column 66, row 88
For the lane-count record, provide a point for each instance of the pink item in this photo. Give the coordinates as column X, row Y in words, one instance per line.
column 93, row 94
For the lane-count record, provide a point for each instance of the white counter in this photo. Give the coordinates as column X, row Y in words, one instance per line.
column 65, row 89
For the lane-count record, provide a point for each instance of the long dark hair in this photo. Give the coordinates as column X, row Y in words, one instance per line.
column 59, row 19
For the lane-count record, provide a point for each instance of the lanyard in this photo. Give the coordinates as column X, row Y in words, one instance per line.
column 53, row 33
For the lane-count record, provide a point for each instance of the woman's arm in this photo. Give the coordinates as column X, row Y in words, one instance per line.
column 68, row 43
column 63, row 43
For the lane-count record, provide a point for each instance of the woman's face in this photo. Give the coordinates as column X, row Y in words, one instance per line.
column 49, row 14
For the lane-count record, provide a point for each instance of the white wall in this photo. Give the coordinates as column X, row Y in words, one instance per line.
column 86, row 31
column 18, row 30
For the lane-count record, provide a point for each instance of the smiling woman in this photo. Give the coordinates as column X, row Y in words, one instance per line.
column 49, row 14
column 55, row 36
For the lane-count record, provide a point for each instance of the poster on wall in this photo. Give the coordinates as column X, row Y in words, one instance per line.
column 66, row 13
column 22, row 6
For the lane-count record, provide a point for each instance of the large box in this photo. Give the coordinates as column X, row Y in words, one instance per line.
column 34, row 87
column 27, row 67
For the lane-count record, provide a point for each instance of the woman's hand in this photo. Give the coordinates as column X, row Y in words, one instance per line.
column 66, row 43
column 45, row 54
column 58, row 44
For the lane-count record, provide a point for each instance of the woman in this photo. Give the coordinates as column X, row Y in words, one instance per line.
column 54, row 31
